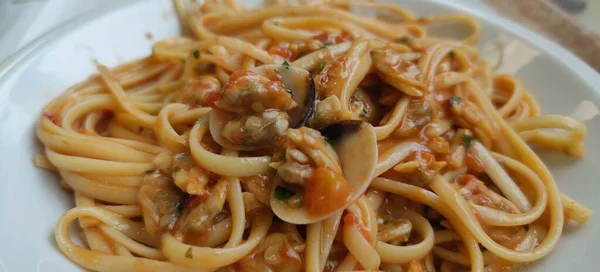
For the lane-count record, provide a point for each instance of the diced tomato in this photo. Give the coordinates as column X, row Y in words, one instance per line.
column 237, row 74
column 465, row 179
column 285, row 53
column 473, row 163
column 325, row 37
column 326, row 191
column 328, row 38
column 345, row 36
column 350, row 219
column 211, row 98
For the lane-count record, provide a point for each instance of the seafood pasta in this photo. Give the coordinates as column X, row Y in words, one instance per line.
column 307, row 138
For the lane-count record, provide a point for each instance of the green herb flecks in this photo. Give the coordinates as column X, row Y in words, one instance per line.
column 451, row 54
column 455, row 100
column 196, row 54
column 283, row 193
column 321, row 65
column 188, row 253
column 286, row 64
column 467, row 139
column 363, row 113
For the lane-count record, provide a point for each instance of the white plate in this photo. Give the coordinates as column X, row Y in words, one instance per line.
column 31, row 201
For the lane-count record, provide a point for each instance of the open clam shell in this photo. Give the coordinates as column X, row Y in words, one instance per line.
column 297, row 80
column 355, row 143
column 302, row 86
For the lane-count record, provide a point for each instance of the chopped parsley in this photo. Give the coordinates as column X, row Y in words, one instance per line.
column 283, row 193
column 467, row 139
column 363, row 113
column 188, row 253
column 275, row 71
column 451, row 54
column 321, row 65
column 286, row 64
column 196, row 54
column 455, row 100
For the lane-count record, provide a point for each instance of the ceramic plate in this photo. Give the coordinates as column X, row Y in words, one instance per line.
column 31, row 200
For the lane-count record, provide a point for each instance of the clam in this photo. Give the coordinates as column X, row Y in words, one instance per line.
column 355, row 144
column 302, row 86
column 302, row 89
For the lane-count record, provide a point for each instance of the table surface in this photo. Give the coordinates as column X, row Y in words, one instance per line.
column 21, row 21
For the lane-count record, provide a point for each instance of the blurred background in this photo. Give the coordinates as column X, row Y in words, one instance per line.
column 21, row 21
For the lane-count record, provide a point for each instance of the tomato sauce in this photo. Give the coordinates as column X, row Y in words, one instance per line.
column 326, row 191
column 351, row 219
column 238, row 74
column 211, row 98
column 51, row 117
column 285, row 53
column 329, row 38
column 473, row 163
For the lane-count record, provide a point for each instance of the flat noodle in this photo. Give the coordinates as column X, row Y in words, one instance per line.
column 157, row 190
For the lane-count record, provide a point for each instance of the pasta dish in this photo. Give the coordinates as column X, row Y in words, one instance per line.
column 318, row 136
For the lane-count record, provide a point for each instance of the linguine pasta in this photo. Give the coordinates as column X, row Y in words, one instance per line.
column 307, row 137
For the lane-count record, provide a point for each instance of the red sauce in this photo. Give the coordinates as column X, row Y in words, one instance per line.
column 328, row 38
column 345, row 36
column 326, row 191
column 51, row 117
column 424, row 157
column 351, row 219
column 195, row 200
column 274, row 86
column 211, row 98
column 465, row 179
column 238, row 74
column 473, row 163
column 325, row 37
column 285, row 53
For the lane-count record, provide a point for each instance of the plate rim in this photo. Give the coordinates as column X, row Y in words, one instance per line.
column 51, row 36
column 568, row 60
column 550, row 48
